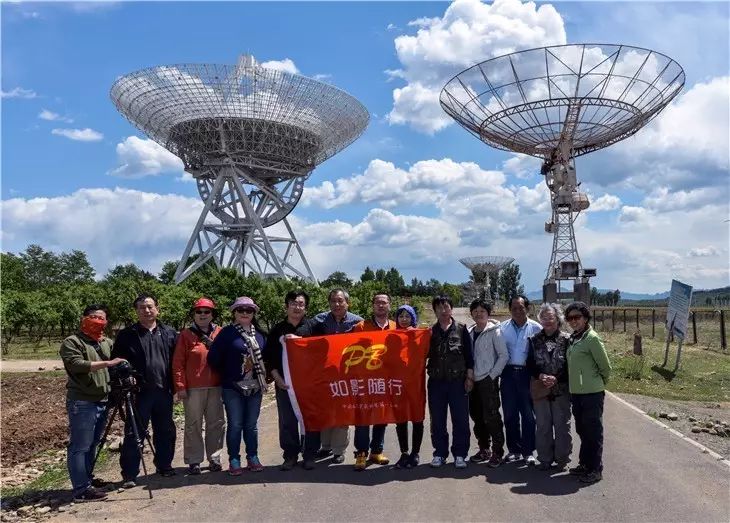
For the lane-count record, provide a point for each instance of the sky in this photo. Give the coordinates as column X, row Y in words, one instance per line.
column 415, row 191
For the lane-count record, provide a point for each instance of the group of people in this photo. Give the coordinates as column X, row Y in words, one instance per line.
column 536, row 372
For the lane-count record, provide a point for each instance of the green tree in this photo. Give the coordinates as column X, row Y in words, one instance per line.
column 12, row 273
column 380, row 275
column 395, row 282
column 167, row 273
column 74, row 267
column 367, row 275
column 509, row 283
column 13, row 315
column 337, row 279
column 42, row 268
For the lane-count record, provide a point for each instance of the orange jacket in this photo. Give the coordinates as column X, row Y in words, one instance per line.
column 190, row 368
column 370, row 325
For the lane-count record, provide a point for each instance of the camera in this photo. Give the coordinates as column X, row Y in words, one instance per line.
column 121, row 377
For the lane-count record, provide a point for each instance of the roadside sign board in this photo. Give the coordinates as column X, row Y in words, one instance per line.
column 680, row 298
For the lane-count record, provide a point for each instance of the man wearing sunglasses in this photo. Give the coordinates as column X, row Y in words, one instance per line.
column 148, row 345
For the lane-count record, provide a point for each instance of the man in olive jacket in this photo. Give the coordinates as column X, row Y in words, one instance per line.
column 86, row 357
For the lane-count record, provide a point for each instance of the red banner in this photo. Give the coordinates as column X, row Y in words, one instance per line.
column 359, row 378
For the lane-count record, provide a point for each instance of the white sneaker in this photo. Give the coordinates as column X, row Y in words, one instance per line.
column 459, row 462
column 531, row 461
column 437, row 461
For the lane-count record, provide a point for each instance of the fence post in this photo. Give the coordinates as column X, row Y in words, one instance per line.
column 694, row 327
column 637, row 320
column 723, row 340
column 624, row 320
column 613, row 319
column 653, row 322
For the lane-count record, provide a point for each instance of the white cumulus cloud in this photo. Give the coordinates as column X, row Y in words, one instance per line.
column 703, row 252
column 285, row 66
column 79, row 135
column 606, row 202
column 469, row 32
column 140, row 157
column 18, row 92
column 112, row 226
column 50, row 116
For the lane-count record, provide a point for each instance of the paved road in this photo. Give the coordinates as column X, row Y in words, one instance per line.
column 650, row 475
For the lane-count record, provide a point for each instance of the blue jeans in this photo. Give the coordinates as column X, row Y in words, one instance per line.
column 362, row 438
column 153, row 405
column 518, row 411
column 86, row 423
column 444, row 396
column 243, row 415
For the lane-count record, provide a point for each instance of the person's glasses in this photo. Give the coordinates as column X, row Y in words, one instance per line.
column 245, row 311
column 297, row 305
column 202, row 311
column 574, row 317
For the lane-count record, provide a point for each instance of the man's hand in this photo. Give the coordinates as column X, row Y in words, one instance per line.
column 247, row 364
column 468, row 384
column 281, row 383
column 115, row 362
column 181, row 395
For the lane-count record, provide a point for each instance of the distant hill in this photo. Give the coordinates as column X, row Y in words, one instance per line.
column 720, row 296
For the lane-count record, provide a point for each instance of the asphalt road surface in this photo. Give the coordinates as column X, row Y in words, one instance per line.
column 650, row 475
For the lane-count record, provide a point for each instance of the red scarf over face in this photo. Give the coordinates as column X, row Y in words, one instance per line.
column 93, row 327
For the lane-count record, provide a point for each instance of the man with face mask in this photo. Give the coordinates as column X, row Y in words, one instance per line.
column 86, row 357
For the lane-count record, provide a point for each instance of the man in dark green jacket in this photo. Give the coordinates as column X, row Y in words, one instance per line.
column 86, row 357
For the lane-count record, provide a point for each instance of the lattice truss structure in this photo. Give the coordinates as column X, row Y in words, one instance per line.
column 557, row 103
column 482, row 268
column 250, row 136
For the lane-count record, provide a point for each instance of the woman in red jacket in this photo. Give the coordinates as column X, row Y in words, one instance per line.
column 198, row 386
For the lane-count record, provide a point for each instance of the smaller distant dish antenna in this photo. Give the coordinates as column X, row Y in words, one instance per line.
column 558, row 103
column 482, row 267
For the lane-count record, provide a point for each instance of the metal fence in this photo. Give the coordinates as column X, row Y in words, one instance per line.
column 706, row 326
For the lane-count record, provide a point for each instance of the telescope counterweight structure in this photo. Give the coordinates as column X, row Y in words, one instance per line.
column 557, row 103
column 250, row 137
column 482, row 268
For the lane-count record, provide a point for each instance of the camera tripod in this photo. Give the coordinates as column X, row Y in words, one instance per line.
column 122, row 403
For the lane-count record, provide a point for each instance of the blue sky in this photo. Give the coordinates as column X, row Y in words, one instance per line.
column 660, row 198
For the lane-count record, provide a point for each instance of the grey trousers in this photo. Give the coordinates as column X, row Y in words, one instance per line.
column 203, row 404
column 553, row 439
column 337, row 439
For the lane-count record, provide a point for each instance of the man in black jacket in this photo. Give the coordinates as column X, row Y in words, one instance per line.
column 148, row 346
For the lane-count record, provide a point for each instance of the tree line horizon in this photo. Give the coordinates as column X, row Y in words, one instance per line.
column 43, row 292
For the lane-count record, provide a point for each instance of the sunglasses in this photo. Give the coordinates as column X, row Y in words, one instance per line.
column 203, row 311
column 245, row 311
column 574, row 317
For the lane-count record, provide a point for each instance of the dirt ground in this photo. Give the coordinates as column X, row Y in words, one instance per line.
column 33, row 416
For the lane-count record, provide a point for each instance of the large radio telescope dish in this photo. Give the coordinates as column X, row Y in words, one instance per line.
column 250, row 136
column 482, row 267
column 558, row 103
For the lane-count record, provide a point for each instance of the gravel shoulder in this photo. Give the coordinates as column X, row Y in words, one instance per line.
column 689, row 414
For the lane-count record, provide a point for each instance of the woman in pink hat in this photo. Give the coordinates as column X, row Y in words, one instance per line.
column 236, row 356
column 198, row 387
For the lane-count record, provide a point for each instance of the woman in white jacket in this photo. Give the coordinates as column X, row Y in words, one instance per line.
column 490, row 358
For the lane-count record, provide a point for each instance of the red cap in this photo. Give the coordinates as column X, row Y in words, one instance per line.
column 204, row 302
